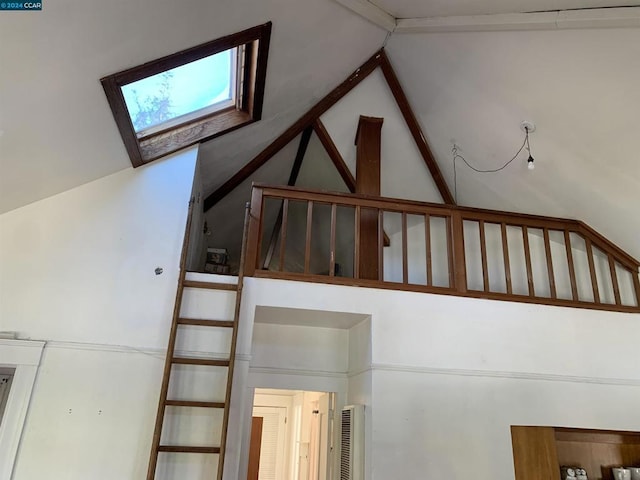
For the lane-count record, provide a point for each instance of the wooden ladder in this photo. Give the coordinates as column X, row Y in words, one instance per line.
column 171, row 359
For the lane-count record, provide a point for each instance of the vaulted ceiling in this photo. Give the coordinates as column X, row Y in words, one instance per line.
column 443, row 8
column 57, row 129
column 472, row 88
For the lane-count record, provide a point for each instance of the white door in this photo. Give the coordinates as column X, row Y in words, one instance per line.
column 321, row 446
column 272, row 448
column 325, row 443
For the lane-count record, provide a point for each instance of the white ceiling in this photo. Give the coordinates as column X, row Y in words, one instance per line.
column 443, row 8
column 579, row 86
column 57, row 129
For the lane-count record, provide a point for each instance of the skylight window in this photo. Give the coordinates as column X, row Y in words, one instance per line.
column 190, row 96
column 177, row 95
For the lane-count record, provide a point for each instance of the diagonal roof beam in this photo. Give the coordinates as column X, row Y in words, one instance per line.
column 341, row 166
column 379, row 59
column 416, row 131
column 303, row 122
column 293, row 177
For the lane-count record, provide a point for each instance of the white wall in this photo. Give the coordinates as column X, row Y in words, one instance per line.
column 402, row 169
column 449, row 375
column 197, row 252
column 77, row 270
column 297, row 347
column 21, row 359
column 436, row 425
column 360, row 378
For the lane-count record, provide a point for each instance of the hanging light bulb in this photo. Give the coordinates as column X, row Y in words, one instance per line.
column 528, row 127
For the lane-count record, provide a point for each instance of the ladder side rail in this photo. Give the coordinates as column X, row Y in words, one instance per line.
column 153, row 458
column 234, row 338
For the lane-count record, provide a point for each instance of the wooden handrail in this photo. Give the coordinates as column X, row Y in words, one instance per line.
column 456, row 237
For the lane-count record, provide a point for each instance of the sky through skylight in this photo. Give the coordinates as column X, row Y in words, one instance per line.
column 181, row 90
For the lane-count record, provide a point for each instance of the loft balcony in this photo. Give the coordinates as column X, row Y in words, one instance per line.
column 376, row 242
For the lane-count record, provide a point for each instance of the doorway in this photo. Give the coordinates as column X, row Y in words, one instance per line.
column 296, row 440
column 6, row 377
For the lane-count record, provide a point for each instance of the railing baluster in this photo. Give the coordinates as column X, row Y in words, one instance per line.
column 283, row 231
column 356, row 247
column 458, row 252
column 380, row 246
column 614, row 279
column 427, row 241
column 307, row 246
column 547, row 251
column 527, row 259
column 636, row 285
column 483, row 254
column 572, row 269
column 405, row 254
column 505, row 256
column 451, row 265
column 332, row 242
column 592, row 270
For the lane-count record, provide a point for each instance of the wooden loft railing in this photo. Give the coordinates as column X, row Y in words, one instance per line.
column 438, row 249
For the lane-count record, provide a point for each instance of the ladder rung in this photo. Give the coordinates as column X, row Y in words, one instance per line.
column 194, row 403
column 200, row 361
column 184, row 449
column 206, row 323
column 210, row 285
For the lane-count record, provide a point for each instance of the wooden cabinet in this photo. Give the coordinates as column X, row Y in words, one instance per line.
column 534, row 453
column 538, row 452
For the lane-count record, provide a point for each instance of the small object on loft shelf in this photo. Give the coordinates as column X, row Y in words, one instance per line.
column 620, row 473
column 217, row 259
column 573, row 473
column 219, row 269
column 219, row 256
column 635, row 473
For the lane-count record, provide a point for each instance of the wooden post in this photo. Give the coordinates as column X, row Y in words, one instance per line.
column 505, row 256
column 255, row 233
column 459, row 262
column 368, row 183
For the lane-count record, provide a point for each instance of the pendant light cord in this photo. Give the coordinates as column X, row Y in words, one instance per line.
column 457, row 156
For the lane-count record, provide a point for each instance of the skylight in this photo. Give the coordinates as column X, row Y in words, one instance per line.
column 190, row 96
column 200, row 87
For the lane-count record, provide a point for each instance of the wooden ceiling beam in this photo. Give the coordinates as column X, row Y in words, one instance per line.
column 414, row 128
column 293, row 177
column 341, row 166
column 303, row 122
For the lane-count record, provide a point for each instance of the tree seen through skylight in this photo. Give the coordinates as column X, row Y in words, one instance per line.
column 179, row 91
